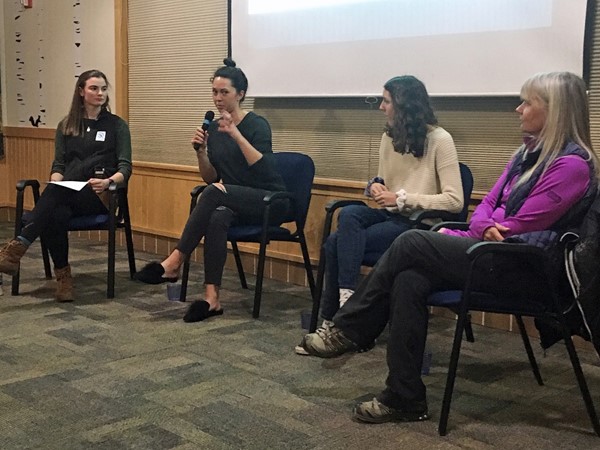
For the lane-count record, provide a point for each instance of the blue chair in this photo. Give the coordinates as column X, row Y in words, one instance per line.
column 539, row 299
column 297, row 171
column 117, row 217
column 418, row 220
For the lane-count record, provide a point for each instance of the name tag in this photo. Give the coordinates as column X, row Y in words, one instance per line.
column 101, row 136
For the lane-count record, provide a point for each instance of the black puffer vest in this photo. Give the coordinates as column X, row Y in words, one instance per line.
column 96, row 148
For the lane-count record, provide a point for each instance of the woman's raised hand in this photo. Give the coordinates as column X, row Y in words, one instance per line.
column 226, row 124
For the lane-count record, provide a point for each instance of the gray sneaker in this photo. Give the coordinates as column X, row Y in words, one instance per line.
column 325, row 326
column 328, row 343
column 376, row 412
column 299, row 349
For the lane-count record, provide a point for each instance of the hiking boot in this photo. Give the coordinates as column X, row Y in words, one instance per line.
column 64, row 284
column 376, row 412
column 325, row 326
column 328, row 343
column 10, row 255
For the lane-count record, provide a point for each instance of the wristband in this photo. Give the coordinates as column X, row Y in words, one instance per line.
column 400, row 199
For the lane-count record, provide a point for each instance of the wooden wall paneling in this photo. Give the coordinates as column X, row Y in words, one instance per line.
column 159, row 197
column 4, row 179
column 28, row 154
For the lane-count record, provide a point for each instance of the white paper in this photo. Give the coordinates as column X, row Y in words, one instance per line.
column 75, row 185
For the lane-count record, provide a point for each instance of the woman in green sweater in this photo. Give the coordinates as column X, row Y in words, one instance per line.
column 91, row 145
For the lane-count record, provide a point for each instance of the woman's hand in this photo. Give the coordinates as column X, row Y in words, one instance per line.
column 495, row 233
column 385, row 198
column 99, row 185
column 56, row 176
column 226, row 124
column 200, row 138
column 377, row 188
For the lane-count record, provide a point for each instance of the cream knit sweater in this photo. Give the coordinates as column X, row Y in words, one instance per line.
column 431, row 181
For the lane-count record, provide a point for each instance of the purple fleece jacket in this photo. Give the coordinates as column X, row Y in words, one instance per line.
column 562, row 185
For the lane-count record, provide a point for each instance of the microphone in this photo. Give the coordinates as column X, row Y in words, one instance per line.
column 208, row 118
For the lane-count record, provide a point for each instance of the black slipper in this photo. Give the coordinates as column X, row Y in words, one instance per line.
column 152, row 273
column 199, row 310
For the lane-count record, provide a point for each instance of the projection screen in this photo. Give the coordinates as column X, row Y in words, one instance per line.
column 291, row 48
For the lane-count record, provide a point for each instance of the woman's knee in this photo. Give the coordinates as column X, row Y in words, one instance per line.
column 351, row 214
column 409, row 242
column 209, row 200
column 211, row 191
column 220, row 219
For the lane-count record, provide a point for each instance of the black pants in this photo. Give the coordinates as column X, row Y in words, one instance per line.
column 51, row 214
column 396, row 290
column 214, row 213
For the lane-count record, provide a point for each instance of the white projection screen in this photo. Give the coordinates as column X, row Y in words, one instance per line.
column 314, row 48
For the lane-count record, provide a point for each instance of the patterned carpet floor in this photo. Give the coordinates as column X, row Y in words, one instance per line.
column 128, row 373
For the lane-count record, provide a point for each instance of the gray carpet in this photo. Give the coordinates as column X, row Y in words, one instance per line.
column 129, row 373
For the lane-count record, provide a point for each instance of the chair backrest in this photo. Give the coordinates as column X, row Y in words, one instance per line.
column 467, row 184
column 298, row 172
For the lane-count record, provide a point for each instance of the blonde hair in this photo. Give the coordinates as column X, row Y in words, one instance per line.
column 564, row 97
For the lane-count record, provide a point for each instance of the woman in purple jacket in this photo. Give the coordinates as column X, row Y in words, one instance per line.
column 548, row 185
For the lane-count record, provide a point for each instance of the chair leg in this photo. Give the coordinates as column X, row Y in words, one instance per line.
column 583, row 387
column 130, row 250
column 110, row 278
column 314, row 317
column 451, row 378
column 307, row 266
column 529, row 350
column 46, row 259
column 15, row 283
column 184, row 279
column 238, row 264
column 260, row 271
column 469, row 329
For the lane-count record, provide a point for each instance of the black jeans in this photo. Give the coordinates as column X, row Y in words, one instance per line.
column 395, row 291
column 51, row 214
column 214, row 213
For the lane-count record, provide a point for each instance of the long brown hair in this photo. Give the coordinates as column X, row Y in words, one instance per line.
column 72, row 124
column 412, row 114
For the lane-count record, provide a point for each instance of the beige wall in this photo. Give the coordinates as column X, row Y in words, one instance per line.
column 42, row 57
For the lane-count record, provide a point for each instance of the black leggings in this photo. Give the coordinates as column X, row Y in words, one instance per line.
column 214, row 213
column 51, row 214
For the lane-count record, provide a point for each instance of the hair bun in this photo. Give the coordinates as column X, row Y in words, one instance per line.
column 229, row 62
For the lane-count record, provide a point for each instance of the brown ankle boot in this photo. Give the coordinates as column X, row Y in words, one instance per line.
column 64, row 287
column 10, row 255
